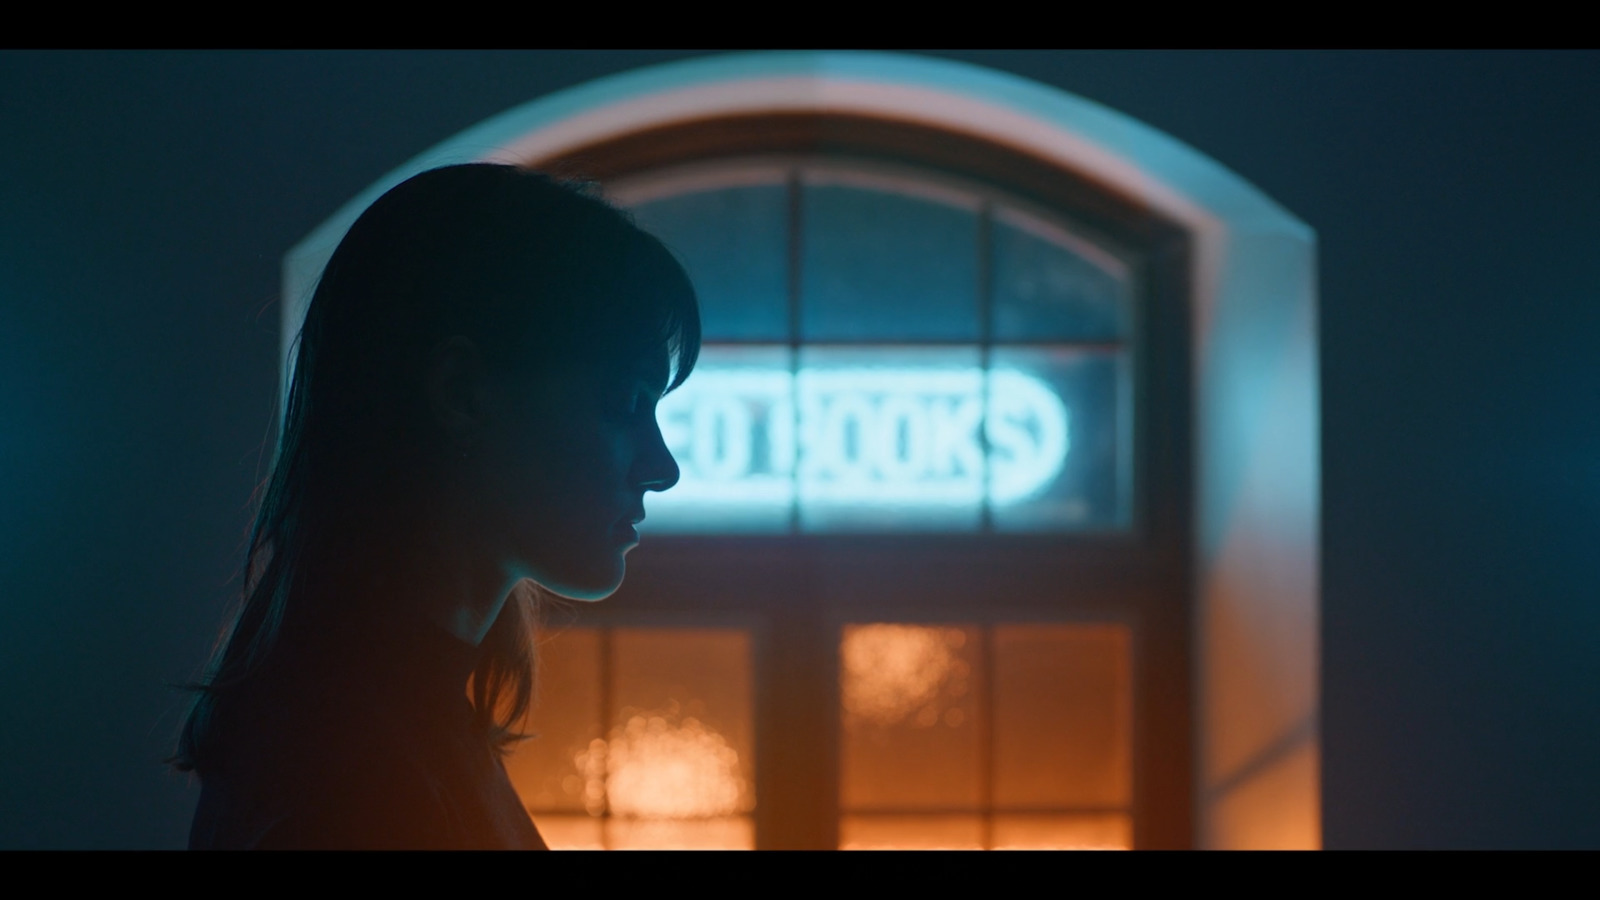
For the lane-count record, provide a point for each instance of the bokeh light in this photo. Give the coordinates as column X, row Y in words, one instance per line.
column 892, row 672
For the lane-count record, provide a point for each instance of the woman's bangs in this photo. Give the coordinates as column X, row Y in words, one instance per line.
column 662, row 311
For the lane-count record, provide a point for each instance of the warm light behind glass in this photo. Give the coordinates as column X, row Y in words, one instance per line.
column 1062, row 716
column 1111, row 831
column 566, row 718
column 674, row 768
column 1002, row 737
column 910, row 738
column 925, row 832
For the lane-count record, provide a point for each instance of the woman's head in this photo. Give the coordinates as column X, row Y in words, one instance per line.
column 486, row 345
column 472, row 404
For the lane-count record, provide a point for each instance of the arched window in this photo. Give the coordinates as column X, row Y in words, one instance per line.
column 954, row 554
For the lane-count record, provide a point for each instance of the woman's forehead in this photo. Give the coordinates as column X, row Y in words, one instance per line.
column 653, row 367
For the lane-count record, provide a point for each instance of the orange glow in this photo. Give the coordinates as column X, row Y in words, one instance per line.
column 1062, row 832
column 892, row 672
column 661, row 766
column 910, row 833
column 570, row 832
column 731, row 833
column 1008, row 832
column 1053, row 726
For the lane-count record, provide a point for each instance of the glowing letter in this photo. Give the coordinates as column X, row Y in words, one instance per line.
column 721, row 437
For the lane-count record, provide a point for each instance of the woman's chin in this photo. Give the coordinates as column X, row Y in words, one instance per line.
column 586, row 587
column 585, row 574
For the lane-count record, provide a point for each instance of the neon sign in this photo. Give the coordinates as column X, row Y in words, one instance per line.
column 917, row 437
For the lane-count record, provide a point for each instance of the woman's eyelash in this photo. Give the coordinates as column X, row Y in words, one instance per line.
column 635, row 401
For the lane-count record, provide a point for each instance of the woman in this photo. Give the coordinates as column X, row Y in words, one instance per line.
column 471, row 422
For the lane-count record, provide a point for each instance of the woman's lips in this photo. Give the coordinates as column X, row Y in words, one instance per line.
column 624, row 531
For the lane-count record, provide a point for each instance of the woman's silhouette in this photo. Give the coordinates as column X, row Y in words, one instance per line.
column 471, row 422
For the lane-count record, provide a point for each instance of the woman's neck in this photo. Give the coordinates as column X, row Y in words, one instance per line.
column 470, row 608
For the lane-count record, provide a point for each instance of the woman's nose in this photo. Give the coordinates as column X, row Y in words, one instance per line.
column 656, row 469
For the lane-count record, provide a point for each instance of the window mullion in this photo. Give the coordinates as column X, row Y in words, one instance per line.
column 794, row 248
column 985, row 292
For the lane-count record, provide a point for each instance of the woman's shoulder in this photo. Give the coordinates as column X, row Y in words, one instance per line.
column 318, row 792
column 307, row 774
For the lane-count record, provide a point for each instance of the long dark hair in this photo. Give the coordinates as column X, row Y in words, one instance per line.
column 536, row 272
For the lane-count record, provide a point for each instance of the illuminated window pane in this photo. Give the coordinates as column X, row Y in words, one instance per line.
column 681, row 744
column 911, row 833
column 566, row 717
column 910, row 729
column 565, row 832
column 730, row 833
column 1062, row 716
column 889, row 438
column 881, row 264
column 731, row 427
column 1058, row 832
column 1046, row 477
column 675, row 767
column 1052, row 285
column 734, row 243
column 1041, row 757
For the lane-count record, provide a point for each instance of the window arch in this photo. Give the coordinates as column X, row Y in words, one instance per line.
column 1223, row 312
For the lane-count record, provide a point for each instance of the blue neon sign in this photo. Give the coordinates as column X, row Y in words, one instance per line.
column 749, row 437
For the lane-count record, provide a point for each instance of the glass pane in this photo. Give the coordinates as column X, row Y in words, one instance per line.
column 1044, row 832
column 545, row 769
column 1059, row 437
column 680, row 745
column 889, row 438
column 731, row 427
column 880, row 264
column 733, row 242
column 563, row 832
column 1062, row 716
column 910, row 736
column 910, row 833
column 731, row 833
column 1052, row 285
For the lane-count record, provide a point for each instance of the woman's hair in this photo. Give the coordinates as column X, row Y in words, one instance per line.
column 539, row 274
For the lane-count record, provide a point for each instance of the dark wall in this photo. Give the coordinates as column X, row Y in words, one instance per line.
column 147, row 198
